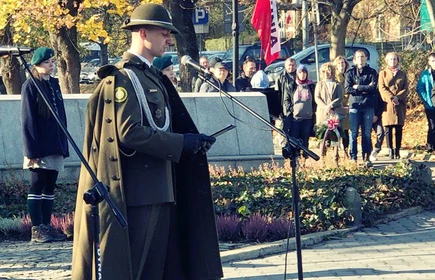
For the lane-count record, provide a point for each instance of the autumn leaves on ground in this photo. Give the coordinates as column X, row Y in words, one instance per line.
column 415, row 129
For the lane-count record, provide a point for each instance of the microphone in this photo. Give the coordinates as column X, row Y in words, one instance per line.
column 187, row 60
column 14, row 51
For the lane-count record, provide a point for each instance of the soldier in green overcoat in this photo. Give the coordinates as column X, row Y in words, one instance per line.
column 142, row 143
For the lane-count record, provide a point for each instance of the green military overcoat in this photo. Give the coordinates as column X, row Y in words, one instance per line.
column 113, row 128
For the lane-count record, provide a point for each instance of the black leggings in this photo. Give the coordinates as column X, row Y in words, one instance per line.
column 42, row 181
column 41, row 195
column 389, row 136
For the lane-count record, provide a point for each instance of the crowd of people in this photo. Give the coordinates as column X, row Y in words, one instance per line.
column 357, row 97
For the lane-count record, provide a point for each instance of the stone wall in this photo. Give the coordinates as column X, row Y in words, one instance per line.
column 248, row 145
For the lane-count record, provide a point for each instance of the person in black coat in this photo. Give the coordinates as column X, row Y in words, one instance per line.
column 377, row 126
column 361, row 85
column 243, row 82
column 45, row 144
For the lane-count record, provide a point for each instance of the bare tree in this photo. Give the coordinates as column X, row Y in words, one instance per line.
column 64, row 41
column 9, row 66
column 186, row 40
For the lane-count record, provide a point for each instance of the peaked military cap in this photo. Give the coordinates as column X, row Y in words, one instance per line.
column 150, row 14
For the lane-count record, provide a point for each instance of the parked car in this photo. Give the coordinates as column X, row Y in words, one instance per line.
column 307, row 57
column 174, row 56
column 253, row 51
column 211, row 54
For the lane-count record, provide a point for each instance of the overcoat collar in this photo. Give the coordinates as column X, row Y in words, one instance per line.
column 132, row 60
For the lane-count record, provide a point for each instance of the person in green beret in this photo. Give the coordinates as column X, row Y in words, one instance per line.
column 166, row 66
column 45, row 144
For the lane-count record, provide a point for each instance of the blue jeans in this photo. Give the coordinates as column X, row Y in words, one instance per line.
column 360, row 118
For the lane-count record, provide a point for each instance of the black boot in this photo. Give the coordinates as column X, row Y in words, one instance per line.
column 397, row 153
column 391, row 154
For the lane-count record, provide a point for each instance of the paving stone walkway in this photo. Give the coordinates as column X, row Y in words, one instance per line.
column 402, row 249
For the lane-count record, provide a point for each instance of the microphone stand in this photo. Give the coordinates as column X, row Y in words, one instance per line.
column 292, row 150
column 93, row 196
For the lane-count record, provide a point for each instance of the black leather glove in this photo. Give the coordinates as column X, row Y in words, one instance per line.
column 193, row 143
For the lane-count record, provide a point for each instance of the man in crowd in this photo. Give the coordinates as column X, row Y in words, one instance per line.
column 196, row 82
column 219, row 79
column 361, row 85
column 142, row 143
column 282, row 86
column 243, row 82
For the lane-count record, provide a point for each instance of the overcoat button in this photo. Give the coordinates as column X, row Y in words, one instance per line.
column 108, row 120
column 109, row 139
column 112, row 158
column 115, row 178
column 146, row 166
column 108, row 101
column 94, row 149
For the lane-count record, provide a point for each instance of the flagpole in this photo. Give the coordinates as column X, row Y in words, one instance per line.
column 235, row 28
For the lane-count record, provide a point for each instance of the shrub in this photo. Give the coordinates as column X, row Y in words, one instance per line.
column 228, row 227
column 267, row 192
column 256, row 228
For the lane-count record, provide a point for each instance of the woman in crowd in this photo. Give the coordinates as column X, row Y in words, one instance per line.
column 45, row 144
column 341, row 66
column 425, row 91
column 328, row 94
column 393, row 87
column 166, row 66
column 299, row 107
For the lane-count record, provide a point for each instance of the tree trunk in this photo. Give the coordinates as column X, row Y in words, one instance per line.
column 104, row 54
column 341, row 12
column 10, row 70
column 68, row 57
column 186, row 41
column 338, row 33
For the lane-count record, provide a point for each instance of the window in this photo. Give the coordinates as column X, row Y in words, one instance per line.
column 323, row 57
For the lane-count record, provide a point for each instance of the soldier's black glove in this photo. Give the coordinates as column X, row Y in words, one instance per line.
column 193, row 143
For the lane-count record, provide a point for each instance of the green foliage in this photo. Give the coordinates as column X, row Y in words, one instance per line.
column 268, row 192
column 257, row 205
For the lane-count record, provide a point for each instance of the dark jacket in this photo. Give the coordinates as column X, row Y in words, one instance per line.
column 226, row 86
column 365, row 95
column 42, row 136
column 113, row 121
column 243, row 83
column 380, row 105
column 283, row 85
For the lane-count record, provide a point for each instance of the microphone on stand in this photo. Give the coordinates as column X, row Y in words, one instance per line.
column 14, row 51
column 187, row 60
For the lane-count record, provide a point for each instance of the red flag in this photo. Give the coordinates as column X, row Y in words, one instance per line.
column 265, row 22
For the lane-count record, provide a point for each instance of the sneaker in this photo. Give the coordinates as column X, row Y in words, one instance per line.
column 373, row 156
column 40, row 234
column 56, row 234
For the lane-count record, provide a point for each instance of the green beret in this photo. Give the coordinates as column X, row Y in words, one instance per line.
column 41, row 54
column 150, row 14
column 162, row 62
